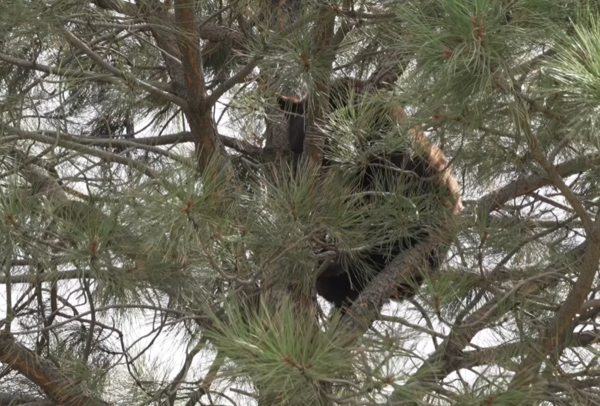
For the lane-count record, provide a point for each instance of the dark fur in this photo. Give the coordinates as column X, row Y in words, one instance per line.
column 294, row 111
column 340, row 284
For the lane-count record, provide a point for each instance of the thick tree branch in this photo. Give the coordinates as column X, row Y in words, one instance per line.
column 189, row 41
column 528, row 184
column 403, row 268
column 198, row 112
column 60, row 388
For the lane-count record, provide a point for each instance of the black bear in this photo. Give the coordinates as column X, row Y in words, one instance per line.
column 425, row 169
column 294, row 111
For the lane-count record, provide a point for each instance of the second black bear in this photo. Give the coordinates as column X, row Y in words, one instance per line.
column 427, row 171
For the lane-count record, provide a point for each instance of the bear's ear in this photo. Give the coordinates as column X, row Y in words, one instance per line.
column 291, row 104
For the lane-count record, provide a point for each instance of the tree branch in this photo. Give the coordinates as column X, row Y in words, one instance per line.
column 56, row 140
column 524, row 185
column 493, row 355
column 160, row 89
column 208, row 31
column 198, row 112
column 447, row 358
column 556, row 332
column 73, row 40
column 232, row 81
column 44, row 374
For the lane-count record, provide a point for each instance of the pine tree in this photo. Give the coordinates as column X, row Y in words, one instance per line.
column 157, row 202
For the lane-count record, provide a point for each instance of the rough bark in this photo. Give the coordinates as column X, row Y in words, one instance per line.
column 60, row 388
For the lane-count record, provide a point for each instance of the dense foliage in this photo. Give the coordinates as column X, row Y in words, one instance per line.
column 159, row 243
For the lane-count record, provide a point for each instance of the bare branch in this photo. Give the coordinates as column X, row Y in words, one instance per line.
column 55, row 139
